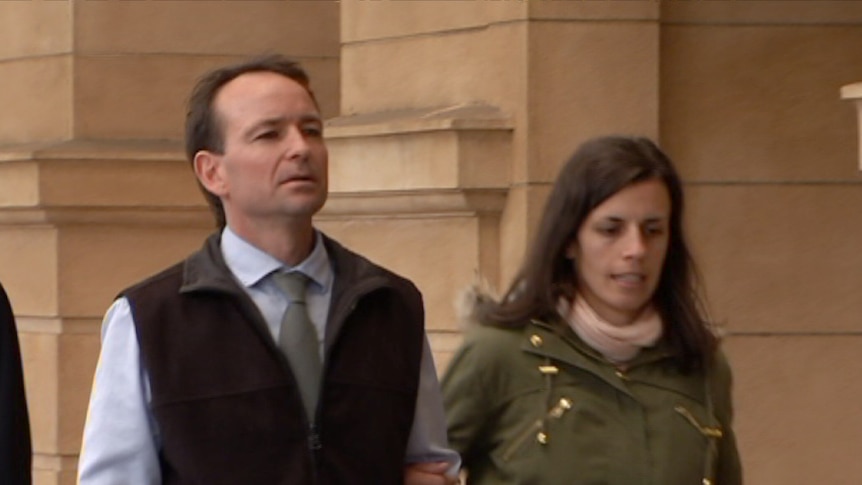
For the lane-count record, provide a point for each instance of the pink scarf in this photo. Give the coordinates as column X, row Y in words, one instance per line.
column 615, row 343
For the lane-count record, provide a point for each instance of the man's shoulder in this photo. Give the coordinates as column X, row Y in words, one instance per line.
column 171, row 276
column 199, row 267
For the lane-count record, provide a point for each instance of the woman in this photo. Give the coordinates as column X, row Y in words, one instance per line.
column 598, row 365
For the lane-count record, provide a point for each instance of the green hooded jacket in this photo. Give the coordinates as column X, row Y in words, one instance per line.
column 536, row 405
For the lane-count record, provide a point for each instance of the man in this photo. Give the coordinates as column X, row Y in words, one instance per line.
column 15, row 447
column 203, row 375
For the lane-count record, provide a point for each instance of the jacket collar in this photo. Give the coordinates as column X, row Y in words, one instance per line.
column 206, row 270
column 354, row 277
column 554, row 339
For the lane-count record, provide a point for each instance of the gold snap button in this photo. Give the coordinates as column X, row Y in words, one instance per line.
column 542, row 438
column 536, row 340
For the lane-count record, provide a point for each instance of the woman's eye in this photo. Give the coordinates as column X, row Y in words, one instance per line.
column 654, row 230
column 608, row 230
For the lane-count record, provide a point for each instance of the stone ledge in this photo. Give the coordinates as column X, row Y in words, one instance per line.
column 93, row 173
column 457, row 117
column 175, row 216
column 140, row 150
column 413, row 204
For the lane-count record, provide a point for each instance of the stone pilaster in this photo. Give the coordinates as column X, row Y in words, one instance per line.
column 472, row 97
column 94, row 189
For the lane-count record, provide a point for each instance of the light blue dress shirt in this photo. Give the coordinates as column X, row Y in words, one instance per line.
column 121, row 438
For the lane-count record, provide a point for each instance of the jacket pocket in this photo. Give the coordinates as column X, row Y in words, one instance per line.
column 536, row 430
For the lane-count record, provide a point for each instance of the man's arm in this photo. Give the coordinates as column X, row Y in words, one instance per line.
column 120, row 442
column 429, row 459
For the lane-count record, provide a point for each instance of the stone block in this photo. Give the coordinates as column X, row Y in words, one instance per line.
column 77, row 355
column 39, row 355
column 28, row 268
column 34, row 29
column 787, row 12
column 431, row 71
column 594, row 11
column 797, row 414
column 38, row 91
column 134, row 97
column 96, row 262
column 144, row 96
column 19, row 183
column 365, row 21
column 779, row 258
column 439, row 254
column 302, row 29
column 587, row 79
column 759, row 103
column 520, row 217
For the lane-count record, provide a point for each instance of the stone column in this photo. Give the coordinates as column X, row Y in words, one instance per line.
column 94, row 189
column 750, row 113
column 455, row 117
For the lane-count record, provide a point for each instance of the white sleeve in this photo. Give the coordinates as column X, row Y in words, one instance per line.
column 120, row 443
column 428, row 442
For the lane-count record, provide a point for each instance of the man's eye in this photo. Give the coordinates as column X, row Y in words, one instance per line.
column 608, row 230
column 313, row 131
column 267, row 135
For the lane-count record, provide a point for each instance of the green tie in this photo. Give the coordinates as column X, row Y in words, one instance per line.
column 297, row 339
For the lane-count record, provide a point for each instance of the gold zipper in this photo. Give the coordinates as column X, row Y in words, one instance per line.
column 556, row 412
column 708, row 431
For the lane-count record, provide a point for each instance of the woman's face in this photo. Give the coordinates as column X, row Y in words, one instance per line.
column 620, row 249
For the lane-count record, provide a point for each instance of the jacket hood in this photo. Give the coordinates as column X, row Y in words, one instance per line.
column 473, row 302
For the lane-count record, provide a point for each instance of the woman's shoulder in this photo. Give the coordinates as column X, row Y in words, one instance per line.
column 720, row 367
column 491, row 341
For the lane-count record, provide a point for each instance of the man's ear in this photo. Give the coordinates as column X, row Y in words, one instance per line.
column 209, row 171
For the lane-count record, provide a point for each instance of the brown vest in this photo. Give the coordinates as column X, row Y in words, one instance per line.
column 224, row 398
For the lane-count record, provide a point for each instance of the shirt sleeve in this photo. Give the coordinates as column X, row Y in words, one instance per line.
column 427, row 442
column 121, row 442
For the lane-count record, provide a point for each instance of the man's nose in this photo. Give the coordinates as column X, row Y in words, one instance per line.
column 297, row 145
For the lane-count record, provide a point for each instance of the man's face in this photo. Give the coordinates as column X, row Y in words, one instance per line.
column 274, row 166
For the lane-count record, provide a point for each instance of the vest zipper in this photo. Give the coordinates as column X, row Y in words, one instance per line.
column 349, row 301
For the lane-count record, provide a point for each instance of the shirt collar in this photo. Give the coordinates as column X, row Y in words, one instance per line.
column 249, row 264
